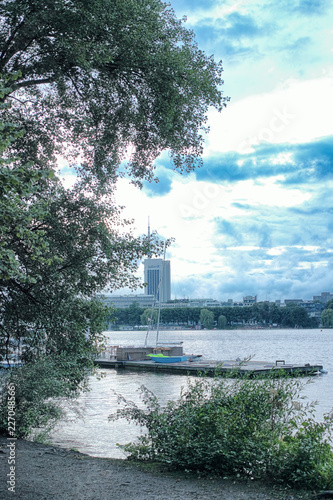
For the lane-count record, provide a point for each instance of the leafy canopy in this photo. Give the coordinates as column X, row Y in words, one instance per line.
column 119, row 79
column 96, row 82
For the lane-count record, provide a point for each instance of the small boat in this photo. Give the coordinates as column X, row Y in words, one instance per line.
column 161, row 358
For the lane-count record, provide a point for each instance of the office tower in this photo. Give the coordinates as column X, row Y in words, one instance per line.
column 157, row 276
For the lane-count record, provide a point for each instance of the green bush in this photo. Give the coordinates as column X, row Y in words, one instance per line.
column 33, row 395
column 244, row 427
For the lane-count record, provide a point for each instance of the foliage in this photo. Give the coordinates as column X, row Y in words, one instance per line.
column 57, row 250
column 329, row 304
column 190, row 316
column 18, row 184
column 207, row 318
column 96, row 82
column 327, row 318
column 181, row 315
column 221, row 322
column 295, row 316
column 134, row 314
column 253, row 428
column 100, row 75
column 149, row 317
column 38, row 389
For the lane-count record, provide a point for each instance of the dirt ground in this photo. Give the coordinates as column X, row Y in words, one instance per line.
column 49, row 472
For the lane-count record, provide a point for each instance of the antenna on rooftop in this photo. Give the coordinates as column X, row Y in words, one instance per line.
column 149, row 253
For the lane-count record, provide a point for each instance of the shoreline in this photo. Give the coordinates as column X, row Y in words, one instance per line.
column 128, row 329
column 45, row 471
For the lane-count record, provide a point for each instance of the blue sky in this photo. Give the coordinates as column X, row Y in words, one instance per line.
column 257, row 218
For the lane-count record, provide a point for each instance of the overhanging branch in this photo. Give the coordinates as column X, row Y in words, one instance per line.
column 28, row 83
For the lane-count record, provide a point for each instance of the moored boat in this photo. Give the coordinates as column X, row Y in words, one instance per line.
column 161, row 358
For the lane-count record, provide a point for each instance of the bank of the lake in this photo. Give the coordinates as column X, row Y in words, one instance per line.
column 45, row 472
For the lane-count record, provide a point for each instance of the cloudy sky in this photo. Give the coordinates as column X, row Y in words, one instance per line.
column 257, row 219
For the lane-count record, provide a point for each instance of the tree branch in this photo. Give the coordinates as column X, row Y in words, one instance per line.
column 28, row 83
column 9, row 41
column 19, row 100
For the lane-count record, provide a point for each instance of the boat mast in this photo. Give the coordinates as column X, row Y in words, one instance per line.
column 156, row 297
column 159, row 301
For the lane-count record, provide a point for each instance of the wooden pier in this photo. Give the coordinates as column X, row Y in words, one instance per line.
column 212, row 368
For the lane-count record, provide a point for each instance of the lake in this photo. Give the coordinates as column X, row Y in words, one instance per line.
column 95, row 435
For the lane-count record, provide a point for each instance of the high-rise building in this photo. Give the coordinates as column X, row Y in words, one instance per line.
column 157, row 276
column 324, row 297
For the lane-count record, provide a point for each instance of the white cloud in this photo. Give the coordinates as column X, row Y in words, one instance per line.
column 275, row 238
column 299, row 112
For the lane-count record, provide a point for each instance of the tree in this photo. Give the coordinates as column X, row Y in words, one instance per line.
column 149, row 317
column 18, row 184
column 88, row 80
column 222, row 322
column 101, row 75
column 57, row 251
column 327, row 318
column 193, row 315
column 329, row 304
column 294, row 316
column 207, row 318
column 275, row 314
column 167, row 316
column 134, row 312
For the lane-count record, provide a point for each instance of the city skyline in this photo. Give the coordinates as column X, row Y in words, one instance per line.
column 147, row 300
column 256, row 219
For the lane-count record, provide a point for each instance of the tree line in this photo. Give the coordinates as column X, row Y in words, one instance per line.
column 263, row 314
column 327, row 315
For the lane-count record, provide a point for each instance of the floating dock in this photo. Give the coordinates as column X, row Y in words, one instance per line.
column 211, row 368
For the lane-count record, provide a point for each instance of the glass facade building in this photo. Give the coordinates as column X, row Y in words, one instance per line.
column 157, row 277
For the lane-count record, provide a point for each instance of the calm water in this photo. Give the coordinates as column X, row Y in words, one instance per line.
column 95, row 435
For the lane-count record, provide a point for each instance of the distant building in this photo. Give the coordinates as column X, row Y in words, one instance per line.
column 249, row 300
column 313, row 308
column 204, row 303
column 293, row 302
column 174, row 305
column 122, row 301
column 157, row 276
column 228, row 303
column 323, row 297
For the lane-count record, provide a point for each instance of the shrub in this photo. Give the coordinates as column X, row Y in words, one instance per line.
column 35, row 393
column 248, row 427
